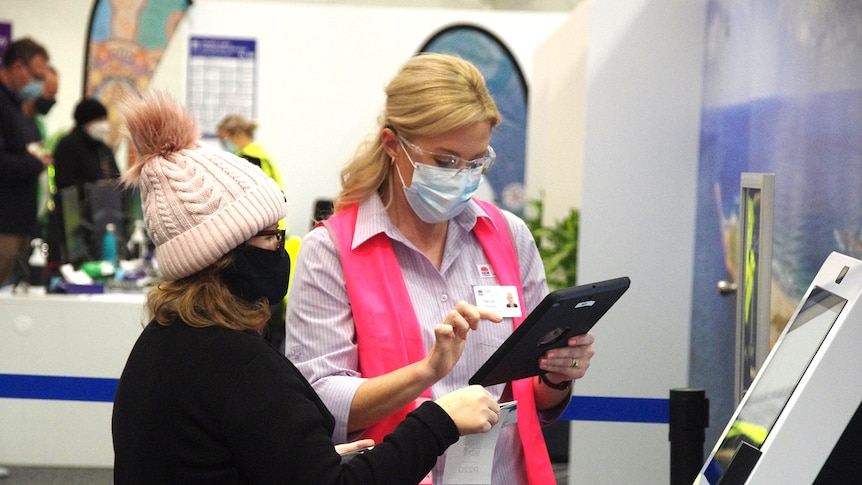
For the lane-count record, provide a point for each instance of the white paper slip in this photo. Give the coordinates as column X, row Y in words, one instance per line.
column 470, row 460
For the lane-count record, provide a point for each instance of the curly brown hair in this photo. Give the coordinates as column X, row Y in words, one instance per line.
column 203, row 300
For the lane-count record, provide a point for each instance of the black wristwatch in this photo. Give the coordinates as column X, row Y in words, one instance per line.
column 560, row 386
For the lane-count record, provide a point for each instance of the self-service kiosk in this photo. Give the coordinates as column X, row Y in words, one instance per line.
column 799, row 421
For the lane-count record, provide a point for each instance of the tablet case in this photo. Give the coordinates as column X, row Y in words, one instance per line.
column 561, row 314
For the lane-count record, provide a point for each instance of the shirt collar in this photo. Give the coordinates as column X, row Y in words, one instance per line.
column 372, row 219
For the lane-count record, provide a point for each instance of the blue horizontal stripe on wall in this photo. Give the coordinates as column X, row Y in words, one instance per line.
column 94, row 389
column 618, row 409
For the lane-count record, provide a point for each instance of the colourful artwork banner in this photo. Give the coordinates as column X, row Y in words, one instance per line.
column 506, row 83
column 126, row 41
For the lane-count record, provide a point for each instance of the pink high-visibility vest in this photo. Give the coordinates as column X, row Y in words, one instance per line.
column 387, row 331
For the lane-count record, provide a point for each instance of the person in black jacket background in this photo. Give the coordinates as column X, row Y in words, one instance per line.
column 82, row 158
column 25, row 65
column 82, row 155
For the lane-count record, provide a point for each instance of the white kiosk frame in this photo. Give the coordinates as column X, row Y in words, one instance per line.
column 806, row 392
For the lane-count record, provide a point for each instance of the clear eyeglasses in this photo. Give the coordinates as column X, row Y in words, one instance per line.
column 277, row 234
column 447, row 160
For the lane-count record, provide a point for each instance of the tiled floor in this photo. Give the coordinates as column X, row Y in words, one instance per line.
column 101, row 476
column 58, row 476
column 561, row 471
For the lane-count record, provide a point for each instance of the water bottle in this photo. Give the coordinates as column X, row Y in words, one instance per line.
column 109, row 245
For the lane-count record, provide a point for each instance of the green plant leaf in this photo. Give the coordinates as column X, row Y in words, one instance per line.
column 557, row 243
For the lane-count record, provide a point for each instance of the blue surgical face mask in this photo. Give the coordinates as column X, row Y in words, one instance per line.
column 32, row 89
column 438, row 194
column 228, row 146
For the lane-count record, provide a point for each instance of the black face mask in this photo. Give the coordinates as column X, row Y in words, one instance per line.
column 43, row 105
column 258, row 273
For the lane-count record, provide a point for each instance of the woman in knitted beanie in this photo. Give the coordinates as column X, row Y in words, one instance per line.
column 203, row 397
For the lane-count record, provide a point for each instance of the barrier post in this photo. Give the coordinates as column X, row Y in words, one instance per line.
column 689, row 418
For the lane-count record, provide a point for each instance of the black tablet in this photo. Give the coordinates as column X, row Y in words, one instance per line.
column 561, row 314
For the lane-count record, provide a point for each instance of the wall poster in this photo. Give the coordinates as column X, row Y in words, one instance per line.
column 221, row 80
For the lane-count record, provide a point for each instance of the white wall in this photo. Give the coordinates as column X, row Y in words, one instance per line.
column 321, row 69
column 644, row 71
column 557, row 115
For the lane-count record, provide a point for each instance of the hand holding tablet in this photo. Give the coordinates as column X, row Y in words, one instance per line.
column 561, row 314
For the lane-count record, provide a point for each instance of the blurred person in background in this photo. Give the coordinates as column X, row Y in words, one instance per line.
column 82, row 155
column 22, row 159
column 236, row 135
column 36, row 107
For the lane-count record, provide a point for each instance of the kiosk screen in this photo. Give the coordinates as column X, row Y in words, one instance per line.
column 776, row 381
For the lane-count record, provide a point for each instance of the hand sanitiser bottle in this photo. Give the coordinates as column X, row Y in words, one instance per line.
column 137, row 244
column 37, row 261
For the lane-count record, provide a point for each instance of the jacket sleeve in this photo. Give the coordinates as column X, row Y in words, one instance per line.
column 15, row 165
column 280, row 432
column 65, row 162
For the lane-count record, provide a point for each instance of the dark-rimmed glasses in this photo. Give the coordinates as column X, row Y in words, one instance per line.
column 278, row 234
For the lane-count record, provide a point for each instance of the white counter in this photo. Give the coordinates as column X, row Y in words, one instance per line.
column 64, row 353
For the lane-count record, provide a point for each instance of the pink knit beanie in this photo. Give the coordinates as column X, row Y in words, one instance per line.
column 198, row 202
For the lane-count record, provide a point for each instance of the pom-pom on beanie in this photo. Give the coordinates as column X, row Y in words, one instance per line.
column 89, row 109
column 198, row 202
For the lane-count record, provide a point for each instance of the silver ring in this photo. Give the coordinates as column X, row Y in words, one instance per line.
column 575, row 364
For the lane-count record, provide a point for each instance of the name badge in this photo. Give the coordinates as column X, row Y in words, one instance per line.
column 502, row 300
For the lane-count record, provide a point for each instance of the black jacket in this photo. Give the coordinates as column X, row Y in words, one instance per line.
column 19, row 171
column 78, row 158
column 214, row 405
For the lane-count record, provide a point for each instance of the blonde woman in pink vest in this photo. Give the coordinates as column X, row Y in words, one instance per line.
column 382, row 282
